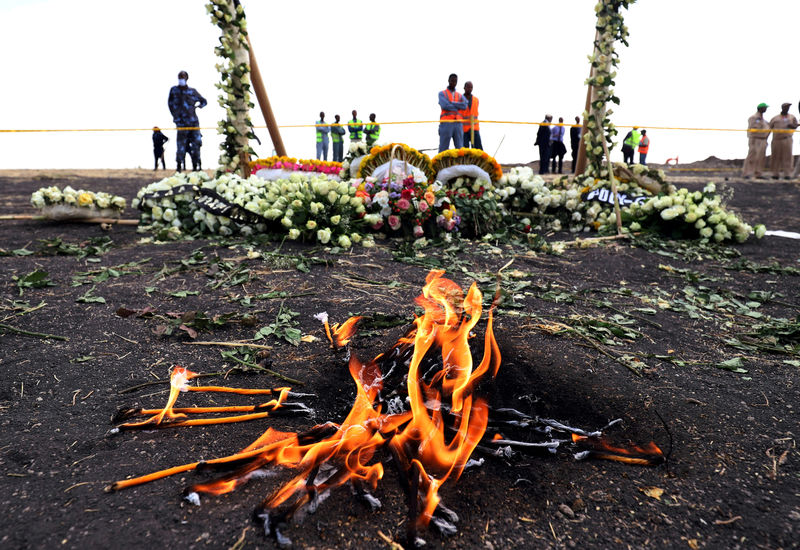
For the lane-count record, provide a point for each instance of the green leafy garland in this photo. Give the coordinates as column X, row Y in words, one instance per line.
column 234, row 83
column 610, row 28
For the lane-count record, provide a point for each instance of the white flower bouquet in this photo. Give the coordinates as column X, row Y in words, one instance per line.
column 68, row 203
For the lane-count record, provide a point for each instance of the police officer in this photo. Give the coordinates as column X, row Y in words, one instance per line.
column 182, row 102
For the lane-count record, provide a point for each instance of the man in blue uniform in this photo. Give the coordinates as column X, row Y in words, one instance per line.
column 182, row 102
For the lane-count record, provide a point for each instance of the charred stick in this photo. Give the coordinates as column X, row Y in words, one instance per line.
column 241, row 391
column 190, row 422
column 118, row 485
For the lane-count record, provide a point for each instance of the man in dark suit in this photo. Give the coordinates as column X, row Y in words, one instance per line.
column 575, row 141
column 543, row 142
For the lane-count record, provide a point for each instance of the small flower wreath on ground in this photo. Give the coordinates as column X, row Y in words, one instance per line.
column 69, row 203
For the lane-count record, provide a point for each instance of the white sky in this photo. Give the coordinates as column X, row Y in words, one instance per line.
column 110, row 64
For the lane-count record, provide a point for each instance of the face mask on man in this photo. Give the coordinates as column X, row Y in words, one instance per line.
column 181, row 82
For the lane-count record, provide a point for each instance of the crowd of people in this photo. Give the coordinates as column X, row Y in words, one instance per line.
column 459, row 124
column 781, row 127
column 358, row 131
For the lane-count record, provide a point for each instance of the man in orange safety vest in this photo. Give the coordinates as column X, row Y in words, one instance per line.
column 644, row 146
column 472, row 135
column 452, row 103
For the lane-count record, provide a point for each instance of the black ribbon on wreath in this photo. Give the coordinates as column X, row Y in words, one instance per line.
column 213, row 202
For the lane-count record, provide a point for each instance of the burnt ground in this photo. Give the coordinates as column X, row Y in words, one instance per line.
column 648, row 332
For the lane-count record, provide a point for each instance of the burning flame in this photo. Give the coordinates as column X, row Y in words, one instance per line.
column 431, row 439
column 599, row 447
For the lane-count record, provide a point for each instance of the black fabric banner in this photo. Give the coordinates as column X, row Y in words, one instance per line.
column 605, row 195
column 213, row 202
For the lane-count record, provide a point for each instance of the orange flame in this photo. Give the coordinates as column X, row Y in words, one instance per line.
column 646, row 455
column 178, row 382
column 431, row 442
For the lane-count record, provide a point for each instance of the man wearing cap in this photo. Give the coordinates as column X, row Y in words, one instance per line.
column 782, row 127
column 757, row 133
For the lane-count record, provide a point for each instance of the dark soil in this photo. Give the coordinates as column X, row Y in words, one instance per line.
column 733, row 475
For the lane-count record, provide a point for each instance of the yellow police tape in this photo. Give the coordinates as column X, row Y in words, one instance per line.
column 37, row 130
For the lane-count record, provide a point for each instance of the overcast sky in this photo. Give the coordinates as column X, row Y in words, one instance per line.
column 110, row 65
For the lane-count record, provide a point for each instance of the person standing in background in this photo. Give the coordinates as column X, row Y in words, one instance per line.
column 644, row 146
column 575, row 141
column 337, row 137
column 159, row 139
column 543, row 142
column 372, row 130
column 757, row 134
column 470, row 115
column 629, row 145
column 451, row 103
column 355, row 127
column 557, row 147
column 782, row 127
column 182, row 103
column 322, row 137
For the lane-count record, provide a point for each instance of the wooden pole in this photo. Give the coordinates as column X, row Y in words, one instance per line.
column 472, row 131
column 613, row 179
column 263, row 102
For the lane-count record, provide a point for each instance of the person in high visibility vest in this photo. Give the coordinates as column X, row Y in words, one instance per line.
column 337, row 137
column 451, row 103
column 372, row 130
column 470, row 116
column 355, row 127
column 629, row 145
column 322, row 138
column 644, row 146
column 757, row 134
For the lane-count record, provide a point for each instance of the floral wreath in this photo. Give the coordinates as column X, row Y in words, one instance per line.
column 465, row 156
column 297, row 165
column 380, row 155
column 80, row 199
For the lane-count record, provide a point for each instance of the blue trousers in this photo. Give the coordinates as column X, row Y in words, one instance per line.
column 477, row 144
column 322, row 149
column 188, row 141
column 338, row 151
column 448, row 131
column 643, row 158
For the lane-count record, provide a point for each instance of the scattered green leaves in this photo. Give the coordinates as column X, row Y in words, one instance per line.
column 733, row 365
column 90, row 298
column 283, row 327
column 183, row 293
column 95, row 246
column 35, row 279
column 101, row 275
